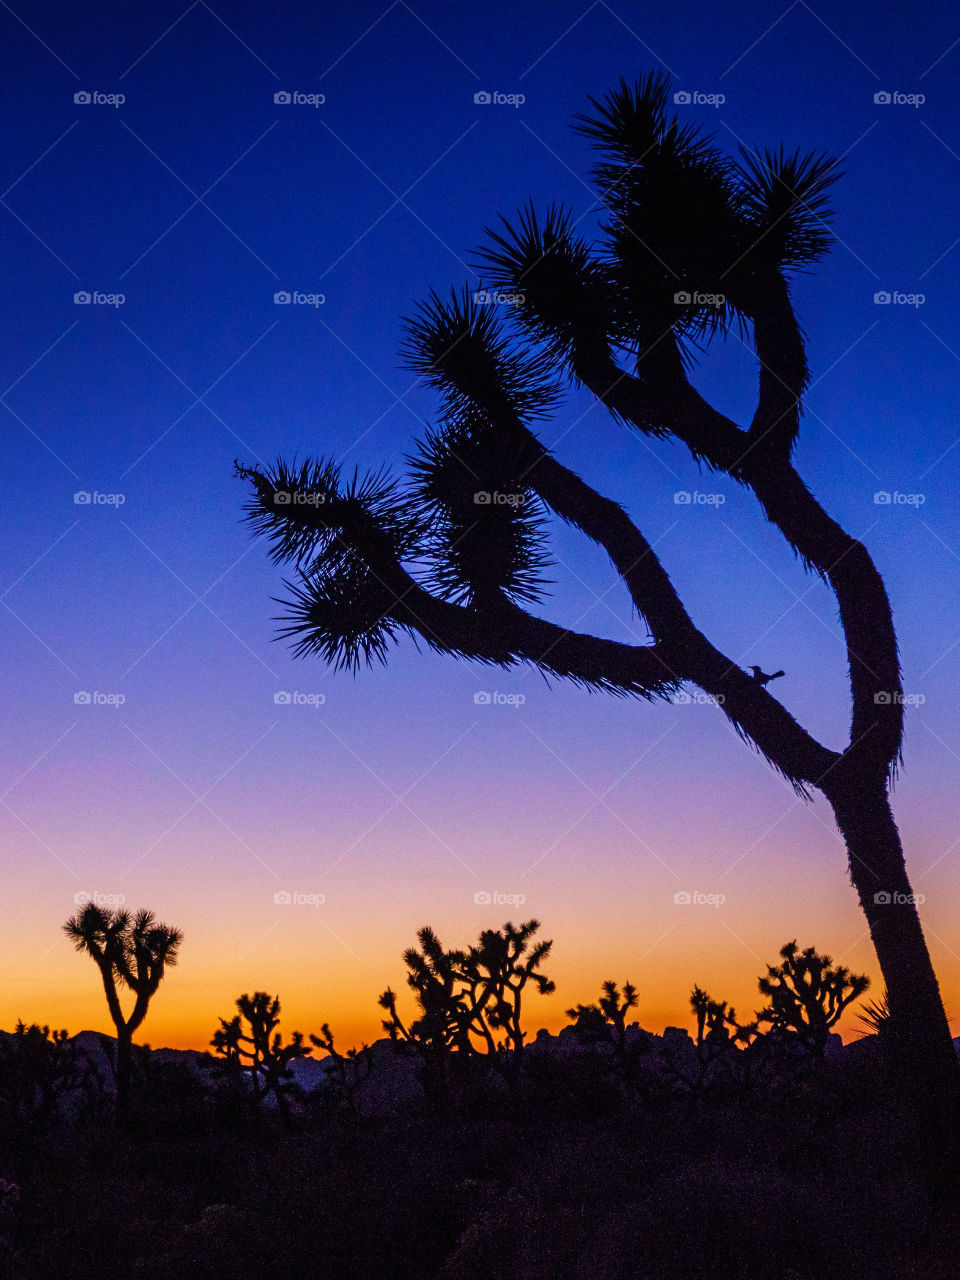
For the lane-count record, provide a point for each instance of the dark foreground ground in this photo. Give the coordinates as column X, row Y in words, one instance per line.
column 588, row 1178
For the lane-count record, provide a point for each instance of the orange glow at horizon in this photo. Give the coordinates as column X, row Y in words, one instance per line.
column 327, row 968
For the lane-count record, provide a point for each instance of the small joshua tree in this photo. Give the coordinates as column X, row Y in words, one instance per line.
column 718, row 1035
column 132, row 951
column 444, row 1020
column 38, row 1069
column 607, row 1019
column 261, row 1056
column 495, row 974
column 807, row 996
column 462, row 994
column 349, row 1070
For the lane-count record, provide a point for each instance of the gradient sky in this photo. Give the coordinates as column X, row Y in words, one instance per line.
column 399, row 799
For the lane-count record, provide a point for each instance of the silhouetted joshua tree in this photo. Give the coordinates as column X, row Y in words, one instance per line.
column 807, row 996
column 444, row 1020
column 39, row 1068
column 495, row 974
column 609, row 1015
column 462, row 994
column 694, row 245
column 348, row 1070
column 260, row 1057
column 131, row 951
column 718, row 1036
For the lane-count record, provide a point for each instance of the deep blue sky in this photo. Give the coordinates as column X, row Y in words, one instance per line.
column 372, row 199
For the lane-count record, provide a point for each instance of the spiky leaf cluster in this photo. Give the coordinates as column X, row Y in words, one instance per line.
column 458, row 346
column 689, row 240
column 568, row 299
column 784, row 202
column 135, row 947
column 471, row 477
column 342, row 615
column 673, row 228
column 486, row 523
column 330, row 529
column 316, row 520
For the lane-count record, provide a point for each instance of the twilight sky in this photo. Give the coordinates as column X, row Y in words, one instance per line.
column 394, row 795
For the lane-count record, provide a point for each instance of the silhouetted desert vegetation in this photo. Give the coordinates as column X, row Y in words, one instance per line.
column 459, row 1148
column 462, row 1145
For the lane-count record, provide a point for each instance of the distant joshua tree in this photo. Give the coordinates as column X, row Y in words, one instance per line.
column 258, row 1053
column 607, row 1020
column 443, row 1022
column 495, row 974
column 133, row 952
column 38, row 1069
column 349, row 1070
column 807, row 995
column 462, row 994
column 718, row 1036
column 694, row 245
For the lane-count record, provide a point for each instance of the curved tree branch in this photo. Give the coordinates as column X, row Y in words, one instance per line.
column 876, row 731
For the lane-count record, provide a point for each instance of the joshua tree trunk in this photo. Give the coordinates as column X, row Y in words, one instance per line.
column 879, row 875
column 124, row 1070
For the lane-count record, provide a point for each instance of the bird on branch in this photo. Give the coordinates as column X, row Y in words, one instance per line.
column 761, row 676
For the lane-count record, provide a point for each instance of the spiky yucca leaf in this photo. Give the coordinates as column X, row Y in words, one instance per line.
column 281, row 495
column 786, row 208
column 331, row 530
column 674, row 226
column 313, row 518
column 486, row 521
column 629, row 121
column 342, row 615
column 645, row 154
column 875, row 1015
column 567, row 300
column 459, row 347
